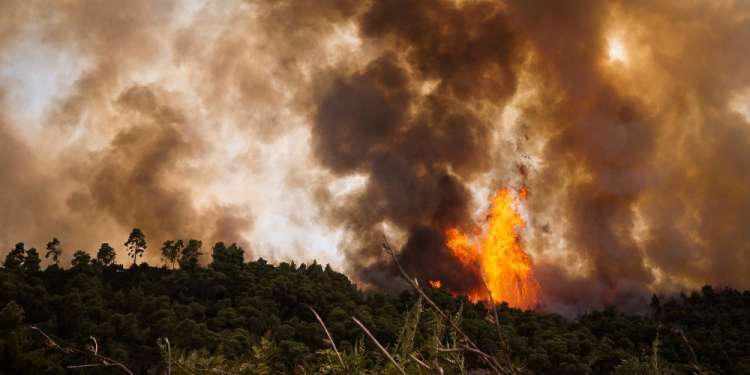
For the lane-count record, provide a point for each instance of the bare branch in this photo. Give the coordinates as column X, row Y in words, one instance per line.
column 103, row 361
column 693, row 357
column 419, row 361
column 382, row 349
column 503, row 342
column 95, row 348
column 470, row 345
column 169, row 356
column 330, row 338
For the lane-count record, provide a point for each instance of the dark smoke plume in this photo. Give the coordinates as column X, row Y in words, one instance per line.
column 625, row 147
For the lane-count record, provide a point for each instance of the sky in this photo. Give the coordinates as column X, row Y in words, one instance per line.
column 308, row 130
column 37, row 75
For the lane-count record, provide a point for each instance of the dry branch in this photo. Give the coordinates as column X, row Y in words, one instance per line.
column 330, row 338
column 93, row 352
column 382, row 349
column 469, row 343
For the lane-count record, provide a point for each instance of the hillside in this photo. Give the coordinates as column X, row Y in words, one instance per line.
column 254, row 317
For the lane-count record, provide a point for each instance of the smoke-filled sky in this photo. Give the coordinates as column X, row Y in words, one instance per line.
column 309, row 129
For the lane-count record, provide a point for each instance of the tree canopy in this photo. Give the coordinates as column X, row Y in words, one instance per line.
column 254, row 317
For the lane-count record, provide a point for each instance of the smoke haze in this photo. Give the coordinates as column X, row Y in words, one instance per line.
column 309, row 130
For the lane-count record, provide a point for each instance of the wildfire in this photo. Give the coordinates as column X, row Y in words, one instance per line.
column 436, row 284
column 504, row 265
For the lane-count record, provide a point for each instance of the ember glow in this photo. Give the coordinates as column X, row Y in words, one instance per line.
column 504, row 265
column 437, row 284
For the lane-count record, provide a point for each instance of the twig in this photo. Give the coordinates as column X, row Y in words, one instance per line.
column 94, row 348
column 105, row 361
column 88, row 365
column 500, row 337
column 694, row 358
column 330, row 338
column 382, row 349
column 420, row 362
column 169, row 356
column 494, row 310
column 450, row 350
column 470, row 345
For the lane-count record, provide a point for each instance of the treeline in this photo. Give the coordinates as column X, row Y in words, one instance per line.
column 234, row 316
column 186, row 254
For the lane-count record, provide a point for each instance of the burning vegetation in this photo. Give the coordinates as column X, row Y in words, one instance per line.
column 495, row 252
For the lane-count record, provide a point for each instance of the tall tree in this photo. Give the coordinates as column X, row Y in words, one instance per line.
column 54, row 249
column 32, row 261
column 136, row 244
column 227, row 258
column 106, row 255
column 171, row 251
column 15, row 258
column 190, row 254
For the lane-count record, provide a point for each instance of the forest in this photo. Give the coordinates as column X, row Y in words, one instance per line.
column 95, row 316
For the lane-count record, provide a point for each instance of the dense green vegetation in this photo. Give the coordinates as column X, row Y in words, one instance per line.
column 254, row 318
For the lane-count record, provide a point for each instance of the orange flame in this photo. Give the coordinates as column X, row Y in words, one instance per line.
column 505, row 266
column 436, row 284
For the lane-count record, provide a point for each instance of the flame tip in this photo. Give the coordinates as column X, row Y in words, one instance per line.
column 503, row 263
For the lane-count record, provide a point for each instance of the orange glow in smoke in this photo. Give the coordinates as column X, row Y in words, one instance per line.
column 436, row 284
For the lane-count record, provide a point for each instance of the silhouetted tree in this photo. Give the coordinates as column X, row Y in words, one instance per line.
column 227, row 258
column 106, row 255
column 32, row 261
column 81, row 259
column 655, row 306
column 171, row 251
column 15, row 258
column 136, row 244
column 190, row 254
column 54, row 250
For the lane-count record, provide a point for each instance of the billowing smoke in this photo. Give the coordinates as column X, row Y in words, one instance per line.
column 626, row 120
column 636, row 185
column 418, row 145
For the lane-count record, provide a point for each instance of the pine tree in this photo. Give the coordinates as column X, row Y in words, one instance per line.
column 54, row 250
column 136, row 244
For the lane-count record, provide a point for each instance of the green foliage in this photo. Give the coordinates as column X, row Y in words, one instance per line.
column 16, row 357
column 253, row 318
column 227, row 259
column 106, row 255
column 81, row 260
column 171, row 251
column 190, row 255
column 20, row 259
column 409, row 330
column 15, row 258
column 136, row 244
column 32, row 261
column 54, row 250
column 263, row 359
column 11, row 316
